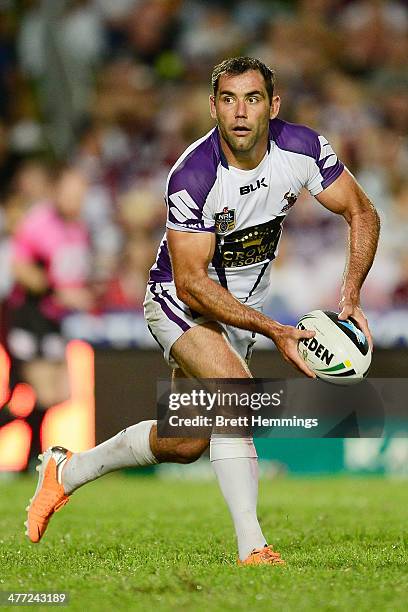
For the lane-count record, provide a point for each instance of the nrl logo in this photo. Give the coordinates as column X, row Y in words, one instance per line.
column 224, row 221
column 290, row 199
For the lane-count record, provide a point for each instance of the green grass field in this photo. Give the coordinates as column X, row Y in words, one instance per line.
column 145, row 543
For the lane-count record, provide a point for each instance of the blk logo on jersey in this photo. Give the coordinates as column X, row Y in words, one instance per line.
column 290, row 199
column 253, row 186
column 224, row 221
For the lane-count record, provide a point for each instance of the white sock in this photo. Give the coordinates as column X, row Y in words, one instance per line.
column 235, row 463
column 129, row 448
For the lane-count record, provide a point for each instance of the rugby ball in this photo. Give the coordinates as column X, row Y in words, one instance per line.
column 339, row 352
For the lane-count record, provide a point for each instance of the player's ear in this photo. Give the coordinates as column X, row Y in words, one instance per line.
column 213, row 111
column 275, row 106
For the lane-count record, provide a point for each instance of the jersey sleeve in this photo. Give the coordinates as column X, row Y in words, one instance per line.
column 324, row 166
column 189, row 195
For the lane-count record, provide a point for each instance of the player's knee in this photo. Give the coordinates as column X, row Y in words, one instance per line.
column 189, row 450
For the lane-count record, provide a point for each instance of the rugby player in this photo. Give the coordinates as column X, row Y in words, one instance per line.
column 227, row 198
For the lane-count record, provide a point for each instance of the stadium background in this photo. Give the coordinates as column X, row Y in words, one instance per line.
column 119, row 89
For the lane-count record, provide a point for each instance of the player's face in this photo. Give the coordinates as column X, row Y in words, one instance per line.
column 242, row 109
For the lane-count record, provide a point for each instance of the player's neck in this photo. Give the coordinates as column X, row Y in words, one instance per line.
column 244, row 160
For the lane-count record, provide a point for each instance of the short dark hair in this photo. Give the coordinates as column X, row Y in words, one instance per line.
column 238, row 65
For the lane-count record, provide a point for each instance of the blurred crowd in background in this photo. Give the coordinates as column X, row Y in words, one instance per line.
column 98, row 99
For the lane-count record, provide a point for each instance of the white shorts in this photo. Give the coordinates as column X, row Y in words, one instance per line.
column 168, row 318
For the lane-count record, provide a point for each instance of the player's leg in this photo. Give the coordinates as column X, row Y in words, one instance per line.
column 176, row 450
column 193, row 352
column 62, row 472
column 234, row 459
column 138, row 445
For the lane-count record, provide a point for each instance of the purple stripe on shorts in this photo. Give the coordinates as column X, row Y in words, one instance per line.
column 167, row 295
column 169, row 313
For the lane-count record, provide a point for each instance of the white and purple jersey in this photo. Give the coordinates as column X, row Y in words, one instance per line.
column 244, row 208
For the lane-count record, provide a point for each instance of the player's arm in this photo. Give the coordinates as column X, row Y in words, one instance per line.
column 345, row 197
column 191, row 254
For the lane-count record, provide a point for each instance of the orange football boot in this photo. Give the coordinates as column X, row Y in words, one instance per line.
column 262, row 556
column 49, row 496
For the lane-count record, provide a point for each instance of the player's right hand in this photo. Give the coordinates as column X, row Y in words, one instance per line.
column 286, row 339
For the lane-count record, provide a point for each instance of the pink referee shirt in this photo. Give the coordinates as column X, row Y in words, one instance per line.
column 61, row 246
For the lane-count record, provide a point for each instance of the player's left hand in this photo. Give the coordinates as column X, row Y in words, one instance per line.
column 349, row 309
